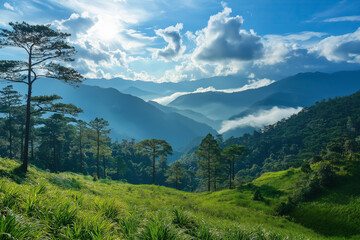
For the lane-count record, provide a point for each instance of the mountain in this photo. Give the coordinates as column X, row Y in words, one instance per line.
column 137, row 92
column 302, row 89
column 168, row 88
column 188, row 113
column 129, row 116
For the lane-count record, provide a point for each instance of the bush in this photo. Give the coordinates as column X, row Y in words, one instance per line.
column 305, row 168
column 257, row 196
column 326, row 175
column 284, row 208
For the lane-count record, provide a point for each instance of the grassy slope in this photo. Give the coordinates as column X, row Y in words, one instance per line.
column 71, row 206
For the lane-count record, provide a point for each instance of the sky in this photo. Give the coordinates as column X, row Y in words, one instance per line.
column 172, row 40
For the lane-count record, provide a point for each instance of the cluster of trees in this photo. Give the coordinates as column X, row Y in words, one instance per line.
column 61, row 142
column 289, row 142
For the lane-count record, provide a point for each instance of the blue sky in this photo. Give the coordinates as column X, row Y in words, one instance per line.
column 168, row 40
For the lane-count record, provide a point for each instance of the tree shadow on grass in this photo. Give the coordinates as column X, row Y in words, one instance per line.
column 17, row 174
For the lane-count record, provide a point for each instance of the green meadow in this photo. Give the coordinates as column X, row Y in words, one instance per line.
column 43, row 205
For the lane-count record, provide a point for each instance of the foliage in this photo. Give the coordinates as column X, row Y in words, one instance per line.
column 44, row 49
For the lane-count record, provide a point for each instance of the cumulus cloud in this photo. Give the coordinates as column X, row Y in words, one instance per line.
column 8, row 6
column 342, row 48
column 279, row 48
column 259, row 120
column 223, row 39
column 252, row 84
column 172, row 36
column 343, row 19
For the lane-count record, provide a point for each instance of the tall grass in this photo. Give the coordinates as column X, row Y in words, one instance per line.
column 10, row 228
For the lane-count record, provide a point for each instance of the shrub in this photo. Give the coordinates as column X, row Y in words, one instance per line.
column 284, row 208
column 326, row 175
column 305, row 168
column 257, row 196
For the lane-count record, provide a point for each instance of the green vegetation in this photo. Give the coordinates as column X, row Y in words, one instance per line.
column 71, row 206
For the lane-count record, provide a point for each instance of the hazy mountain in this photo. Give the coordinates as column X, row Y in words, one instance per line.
column 188, row 113
column 302, row 89
column 129, row 116
column 137, row 92
column 167, row 88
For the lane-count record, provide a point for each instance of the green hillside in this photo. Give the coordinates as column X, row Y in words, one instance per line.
column 44, row 205
column 289, row 142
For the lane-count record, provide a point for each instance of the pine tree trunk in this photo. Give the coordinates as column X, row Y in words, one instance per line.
column 27, row 126
column 81, row 154
column 230, row 176
column 10, row 137
column 233, row 175
column 28, row 114
column 215, row 179
column 104, row 163
column 153, row 161
column 98, row 155
column 208, row 167
column 54, row 154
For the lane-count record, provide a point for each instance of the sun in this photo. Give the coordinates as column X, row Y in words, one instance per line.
column 106, row 29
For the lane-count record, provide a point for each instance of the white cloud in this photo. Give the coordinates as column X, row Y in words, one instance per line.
column 343, row 19
column 8, row 6
column 342, row 48
column 251, row 75
column 259, row 120
column 223, row 40
column 278, row 48
column 252, row 84
column 173, row 37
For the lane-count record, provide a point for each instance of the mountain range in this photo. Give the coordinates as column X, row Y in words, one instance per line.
column 190, row 117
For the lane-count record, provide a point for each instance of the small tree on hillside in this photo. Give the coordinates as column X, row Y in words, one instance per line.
column 208, row 154
column 100, row 126
column 44, row 48
column 154, row 148
column 175, row 173
column 234, row 153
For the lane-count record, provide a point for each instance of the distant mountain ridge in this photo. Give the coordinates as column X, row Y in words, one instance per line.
column 167, row 88
column 302, row 89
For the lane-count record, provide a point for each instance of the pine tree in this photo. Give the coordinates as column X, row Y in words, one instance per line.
column 44, row 48
column 154, row 148
column 208, row 154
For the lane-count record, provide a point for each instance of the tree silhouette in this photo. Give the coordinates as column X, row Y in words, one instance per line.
column 234, row 153
column 176, row 173
column 154, row 148
column 100, row 126
column 44, row 48
column 9, row 100
column 208, row 153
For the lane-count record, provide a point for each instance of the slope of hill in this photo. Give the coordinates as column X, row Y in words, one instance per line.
column 137, row 92
column 302, row 89
column 288, row 142
column 129, row 116
column 71, row 206
column 188, row 113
